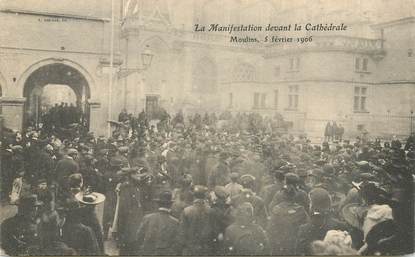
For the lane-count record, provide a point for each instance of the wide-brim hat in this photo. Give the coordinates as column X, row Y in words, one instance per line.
column 93, row 198
column 353, row 214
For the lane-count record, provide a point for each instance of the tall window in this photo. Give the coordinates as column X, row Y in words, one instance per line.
column 294, row 63
column 244, row 72
column 257, row 97
column 263, row 100
column 361, row 64
column 276, row 99
column 360, row 97
column 230, row 100
column 293, row 97
column 277, row 71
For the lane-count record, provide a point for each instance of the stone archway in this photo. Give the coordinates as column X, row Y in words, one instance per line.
column 54, row 74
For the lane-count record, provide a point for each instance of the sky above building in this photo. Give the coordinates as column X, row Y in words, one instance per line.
column 182, row 13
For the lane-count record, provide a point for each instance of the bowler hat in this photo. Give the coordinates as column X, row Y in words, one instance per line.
column 200, row 192
column 291, row 178
column 116, row 162
column 320, row 199
column 165, row 197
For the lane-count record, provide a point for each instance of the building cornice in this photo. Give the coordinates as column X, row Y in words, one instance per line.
column 55, row 15
column 313, row 80
column 12, row 101
column 392, row 23
column 53, row 51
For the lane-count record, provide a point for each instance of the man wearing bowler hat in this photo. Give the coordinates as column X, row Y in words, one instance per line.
column 157, row 234
column 131, row 206
column 20, row 234
column 248, row 195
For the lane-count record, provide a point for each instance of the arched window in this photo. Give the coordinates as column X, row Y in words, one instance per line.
column 244, row 72
column 205, row 76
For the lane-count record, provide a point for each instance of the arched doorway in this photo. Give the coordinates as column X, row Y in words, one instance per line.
column 56, row 85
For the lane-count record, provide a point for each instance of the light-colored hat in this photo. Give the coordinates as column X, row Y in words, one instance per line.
column 93, row 198
column 338, row 237
column 375, row 215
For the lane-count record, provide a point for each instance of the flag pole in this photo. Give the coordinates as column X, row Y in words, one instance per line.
column 111, row 69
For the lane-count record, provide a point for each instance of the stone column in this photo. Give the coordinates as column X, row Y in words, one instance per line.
column 97, row 122
column 13, row 111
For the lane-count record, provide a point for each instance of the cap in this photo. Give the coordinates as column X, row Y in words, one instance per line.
column 75, row 180
column 72, row 151
column 221, row 192
column 247, row 180
column 234, row 175
column 328, row 169
column 291, row 178
column 123, row 149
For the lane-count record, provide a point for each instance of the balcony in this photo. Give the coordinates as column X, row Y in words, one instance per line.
column 332, row 43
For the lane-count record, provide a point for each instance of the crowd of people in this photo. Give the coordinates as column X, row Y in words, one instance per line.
column 61, row 115
column 194, row 187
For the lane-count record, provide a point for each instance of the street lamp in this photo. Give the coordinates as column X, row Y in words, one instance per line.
column 146, row 59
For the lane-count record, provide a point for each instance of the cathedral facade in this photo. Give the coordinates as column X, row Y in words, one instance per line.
column 362, row 78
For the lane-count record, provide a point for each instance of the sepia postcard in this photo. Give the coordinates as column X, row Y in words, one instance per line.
column 207, row 127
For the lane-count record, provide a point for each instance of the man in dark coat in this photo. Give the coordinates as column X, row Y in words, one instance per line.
column 328, row 132
column 285, row 219
column 248, row 195
column 157, row 234
column 20, row 235
column 269, row 191
column 195, row 228
column 75, row 234
column 131, row 209
column 320, row 222
column 66, row 167
column 182, row 196
column 89, row 216
column 301, row 196
column 221, row 174
column 244, row 236
column 111, row 180
column 220, row 218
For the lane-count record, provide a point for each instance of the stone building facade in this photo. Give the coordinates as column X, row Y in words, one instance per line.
column 361, row 78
